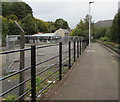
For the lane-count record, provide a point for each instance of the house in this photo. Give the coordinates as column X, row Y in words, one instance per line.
column 62, row 32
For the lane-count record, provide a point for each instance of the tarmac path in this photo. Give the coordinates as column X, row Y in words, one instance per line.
column 95, row 77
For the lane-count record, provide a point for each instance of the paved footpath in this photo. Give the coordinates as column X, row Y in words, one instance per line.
column 95, row 77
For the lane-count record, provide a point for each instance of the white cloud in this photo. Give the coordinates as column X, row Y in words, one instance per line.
column 70, row 0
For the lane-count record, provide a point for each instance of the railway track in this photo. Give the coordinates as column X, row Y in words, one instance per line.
column 111, row 49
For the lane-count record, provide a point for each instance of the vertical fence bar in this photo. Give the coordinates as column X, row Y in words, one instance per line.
column 77, row 49
column 83, row 45
column 60, row 61
column 33, row 73
column 80, row 47
column 74, row 51
column 69, row 54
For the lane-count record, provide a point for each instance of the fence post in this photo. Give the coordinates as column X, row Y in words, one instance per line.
column 22, row 62
column 60, row 61
column 74, row 51
column 69, row 54
column 77, row 49
column 33, row 73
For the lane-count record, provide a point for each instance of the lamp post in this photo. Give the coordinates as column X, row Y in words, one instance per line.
column 89, row 25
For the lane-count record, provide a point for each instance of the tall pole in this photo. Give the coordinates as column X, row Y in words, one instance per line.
column 89, row 25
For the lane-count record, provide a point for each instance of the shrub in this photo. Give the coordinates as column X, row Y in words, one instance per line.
column 104, row 39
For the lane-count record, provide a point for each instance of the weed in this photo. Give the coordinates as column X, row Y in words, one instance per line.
column 10, row 98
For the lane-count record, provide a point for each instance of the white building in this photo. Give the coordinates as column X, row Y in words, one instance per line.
column 47, row 35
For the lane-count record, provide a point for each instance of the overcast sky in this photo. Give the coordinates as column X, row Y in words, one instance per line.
column 73, row 10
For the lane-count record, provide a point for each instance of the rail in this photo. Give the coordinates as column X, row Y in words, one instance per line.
column 116, row 51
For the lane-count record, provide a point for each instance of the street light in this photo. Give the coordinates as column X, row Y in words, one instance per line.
column 89, row 25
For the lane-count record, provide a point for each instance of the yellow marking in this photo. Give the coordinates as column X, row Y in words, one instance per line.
column 114, row 61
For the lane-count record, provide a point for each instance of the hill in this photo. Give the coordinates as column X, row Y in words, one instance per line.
column 104, row 23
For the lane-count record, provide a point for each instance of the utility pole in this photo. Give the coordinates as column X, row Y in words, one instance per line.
column 89, row 25
column 22, row 44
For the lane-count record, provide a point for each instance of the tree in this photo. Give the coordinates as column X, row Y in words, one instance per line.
column 108, row 34
column 6, row 8
column 20, row 9
column 118, row 29
column 42, row 26
column 13, row 30
column 5, row 28
column 51, row 28
column 12, row 17
column 28, row 24
column 61, row 23
column 99, row 32
column 76, row 32
column 82, row 28
column 115, row 29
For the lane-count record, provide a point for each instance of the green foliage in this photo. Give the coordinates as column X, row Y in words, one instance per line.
column 6, row 6
column 41, row 25
column 5, row 28
column 61, row 23
column 99, row 32
column 113, row 34
column 51, row 27
column 10, row 98
column 20, row 9
column 12, row 17
column 13, row 30
column 16, row 11
column 38, row 79
column 82, row 28
column 115, row 29
column 104, row 39
column 76, row 32
column 49, row 73
column 28, row 23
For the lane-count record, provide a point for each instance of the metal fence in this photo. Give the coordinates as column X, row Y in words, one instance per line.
column 12, row 43
column 41, row 80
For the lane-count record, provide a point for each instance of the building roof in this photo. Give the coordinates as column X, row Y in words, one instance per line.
column 65, row 30
column 46, row 34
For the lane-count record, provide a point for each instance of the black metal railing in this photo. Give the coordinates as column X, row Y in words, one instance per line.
column 75, row 49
